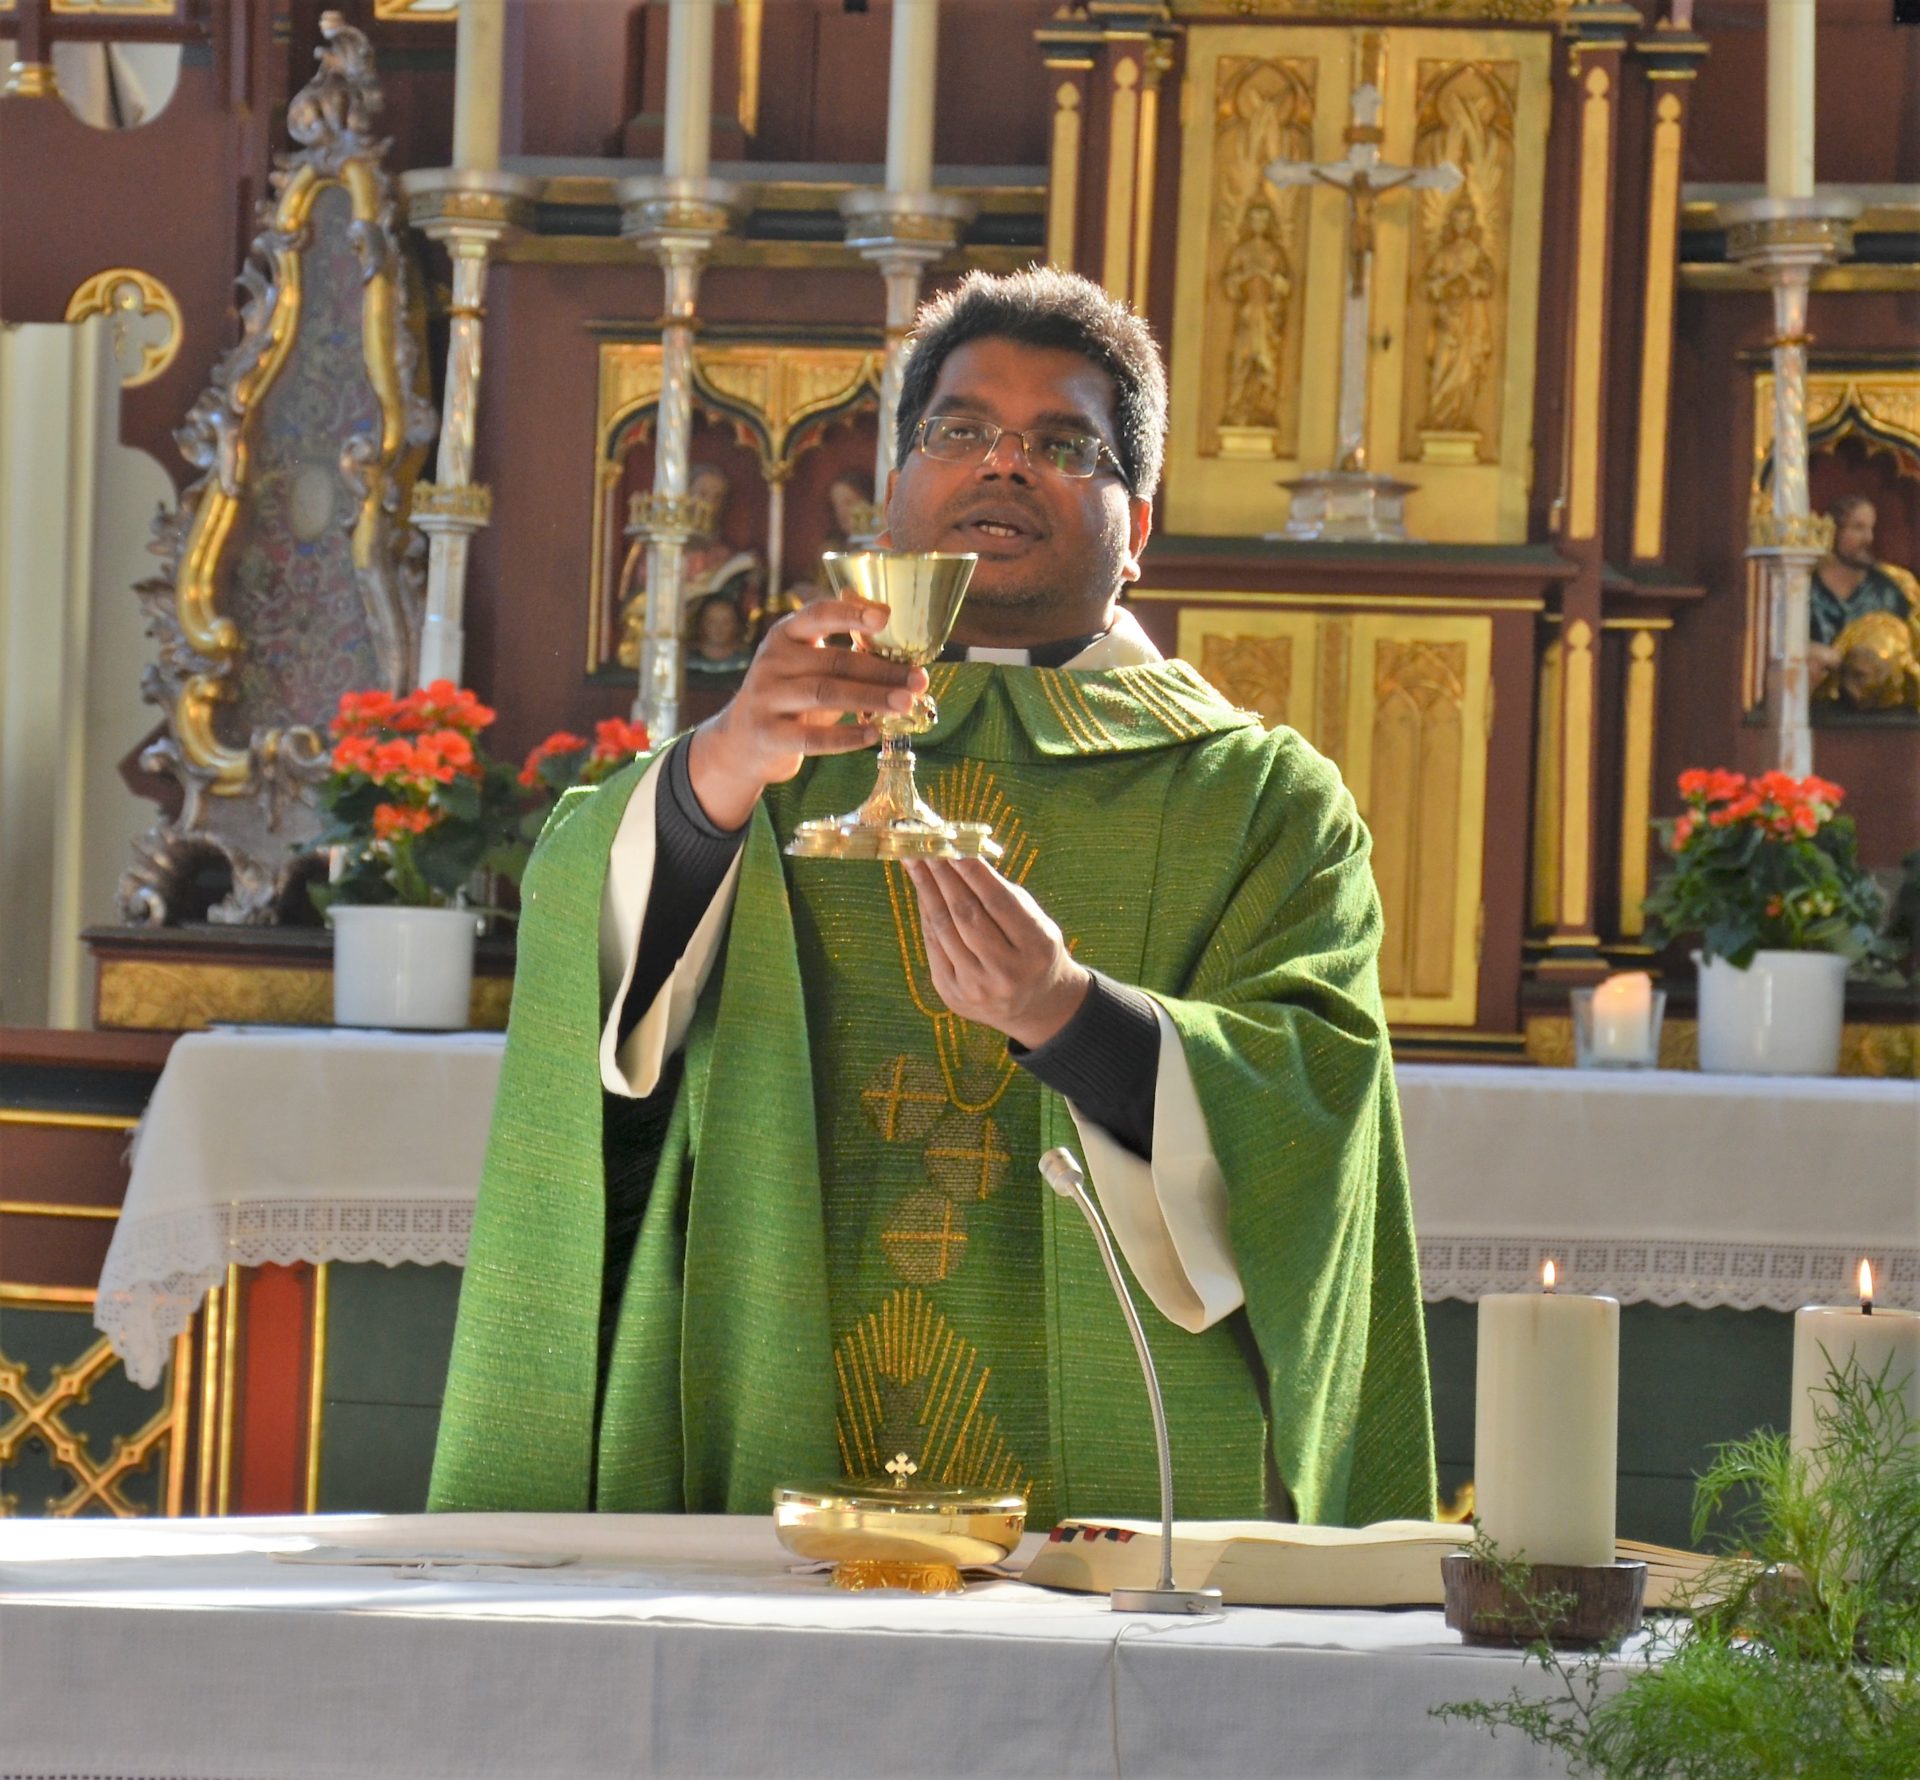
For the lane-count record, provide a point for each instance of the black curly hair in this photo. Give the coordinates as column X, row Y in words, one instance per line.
column 1042, row 306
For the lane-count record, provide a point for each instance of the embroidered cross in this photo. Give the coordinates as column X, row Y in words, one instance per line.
column 900, row 1468
column 988, row 1152
column 884, row 1104
column 946, row 1239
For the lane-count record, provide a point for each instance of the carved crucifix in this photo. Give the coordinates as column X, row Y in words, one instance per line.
column 1362, row 179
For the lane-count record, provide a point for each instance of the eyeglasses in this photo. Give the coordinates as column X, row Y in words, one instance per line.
column 960, row 439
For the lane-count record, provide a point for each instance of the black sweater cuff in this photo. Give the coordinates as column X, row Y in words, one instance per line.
column 1106, row 1060
column 690, row 860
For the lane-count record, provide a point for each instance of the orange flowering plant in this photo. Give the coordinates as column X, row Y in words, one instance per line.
column 565, row 760
column 1768, row 864
column 413, row 802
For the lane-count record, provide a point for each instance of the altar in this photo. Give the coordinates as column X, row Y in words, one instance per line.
column 327, row 1224
column 677, row 1645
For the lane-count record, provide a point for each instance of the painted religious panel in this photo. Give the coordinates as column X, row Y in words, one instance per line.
column 781, row 471
column 1452, row 276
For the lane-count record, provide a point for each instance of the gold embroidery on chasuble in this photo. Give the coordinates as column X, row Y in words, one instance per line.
column 940, row 1346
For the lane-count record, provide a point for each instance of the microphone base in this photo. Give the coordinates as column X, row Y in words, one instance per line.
column 1166, row 1600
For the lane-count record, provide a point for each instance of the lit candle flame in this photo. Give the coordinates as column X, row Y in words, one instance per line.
column 1548, row 1275
column 1866, row 1287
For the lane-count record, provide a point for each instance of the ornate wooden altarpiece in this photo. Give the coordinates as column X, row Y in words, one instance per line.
column 290, row 573
column 1417, row 668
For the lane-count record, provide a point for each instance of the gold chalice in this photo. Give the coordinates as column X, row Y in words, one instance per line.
column 922, row 591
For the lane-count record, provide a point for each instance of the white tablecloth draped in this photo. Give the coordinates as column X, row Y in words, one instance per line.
column 677, row 1646
column 293, row 1144
column 1662, row 1187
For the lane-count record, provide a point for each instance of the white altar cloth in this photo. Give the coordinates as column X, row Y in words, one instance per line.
column 677, row 1646
column 313, row 1144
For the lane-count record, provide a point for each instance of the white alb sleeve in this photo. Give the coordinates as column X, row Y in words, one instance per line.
column 632, row 1067
column 1169, row 1214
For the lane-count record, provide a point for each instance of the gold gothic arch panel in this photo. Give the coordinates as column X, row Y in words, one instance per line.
column 798, row 418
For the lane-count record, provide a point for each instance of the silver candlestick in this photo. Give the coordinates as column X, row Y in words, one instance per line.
column 1061, row 1170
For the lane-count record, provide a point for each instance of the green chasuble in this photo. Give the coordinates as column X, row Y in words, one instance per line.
column 844, row 1248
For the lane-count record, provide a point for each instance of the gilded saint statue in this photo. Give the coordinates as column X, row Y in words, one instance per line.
column 1257, row 281
column 1459, row 280
column 1863, row 622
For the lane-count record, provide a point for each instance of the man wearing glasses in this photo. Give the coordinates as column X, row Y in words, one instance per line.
column 761, row 1201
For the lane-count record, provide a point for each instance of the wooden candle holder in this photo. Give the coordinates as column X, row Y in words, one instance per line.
column 1597, row 1603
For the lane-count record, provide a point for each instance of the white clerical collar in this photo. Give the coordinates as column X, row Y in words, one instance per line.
column 1121, row 644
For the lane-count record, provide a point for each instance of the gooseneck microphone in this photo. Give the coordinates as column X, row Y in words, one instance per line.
column 1061, row 1170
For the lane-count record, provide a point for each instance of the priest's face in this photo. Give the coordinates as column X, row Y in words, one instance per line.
column 1054, row 549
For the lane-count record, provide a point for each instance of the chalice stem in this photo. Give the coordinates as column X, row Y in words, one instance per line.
column 895, row 797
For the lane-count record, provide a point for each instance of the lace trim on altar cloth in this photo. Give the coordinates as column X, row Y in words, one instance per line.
column 1704, row 1275
column 159, row 1270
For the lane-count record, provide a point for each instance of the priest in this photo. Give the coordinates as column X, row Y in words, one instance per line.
column 760, row 1204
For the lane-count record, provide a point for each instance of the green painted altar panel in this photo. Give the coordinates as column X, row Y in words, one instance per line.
column 1688, row 1380
column 389, row 1332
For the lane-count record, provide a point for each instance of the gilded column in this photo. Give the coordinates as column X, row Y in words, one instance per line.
column 1636, row 777
column 30, row 74
column 1671, row 56
column 1131, row 48
column 1785, row 241
column 1786, row 237
column 1597, row 36
column 1067, row 47
column 678, row 219
column 470, row 212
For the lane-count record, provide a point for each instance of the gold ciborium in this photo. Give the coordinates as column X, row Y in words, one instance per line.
column 922, row 591
column 889, row 1535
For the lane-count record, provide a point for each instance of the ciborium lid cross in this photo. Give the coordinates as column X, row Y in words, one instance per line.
column 1362, row 179
column 900, row 1467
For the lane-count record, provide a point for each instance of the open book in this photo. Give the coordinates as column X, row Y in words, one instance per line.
column 1263, row 1563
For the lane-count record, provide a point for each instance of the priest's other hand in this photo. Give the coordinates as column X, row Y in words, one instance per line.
column 798, row 687
column 995, row 954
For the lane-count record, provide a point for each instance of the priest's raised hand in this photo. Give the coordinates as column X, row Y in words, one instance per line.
column 790, row 706
column 994, row 953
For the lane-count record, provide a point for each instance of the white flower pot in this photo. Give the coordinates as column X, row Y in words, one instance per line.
column 402, row 967
column 1780, row 1016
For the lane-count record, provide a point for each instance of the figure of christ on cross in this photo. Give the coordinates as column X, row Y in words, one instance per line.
column 1362, row 179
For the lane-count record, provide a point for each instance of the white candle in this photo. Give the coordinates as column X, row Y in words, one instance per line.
column 1883, row 1345
column 916, row 36
column 1790, row 98
column 479, row 55
column 1623, row 1019
column 1546, row 1425
column 689, row 144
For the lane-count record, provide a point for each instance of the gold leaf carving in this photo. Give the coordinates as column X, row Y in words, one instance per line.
column 1256, row 673
column 1419, row 738
column 1460, row 264
column 1256, row 258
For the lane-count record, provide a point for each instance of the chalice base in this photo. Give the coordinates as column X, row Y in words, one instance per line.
column 858, row 1574
column 894, row 823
